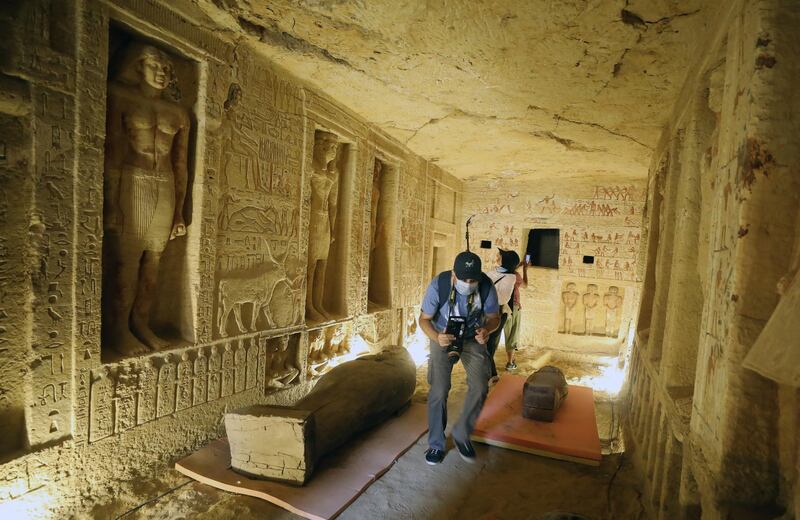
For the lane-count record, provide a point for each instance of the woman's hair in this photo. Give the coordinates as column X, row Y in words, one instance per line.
column 129, row 71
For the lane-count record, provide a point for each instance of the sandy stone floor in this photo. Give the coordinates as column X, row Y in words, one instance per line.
column 503, row 484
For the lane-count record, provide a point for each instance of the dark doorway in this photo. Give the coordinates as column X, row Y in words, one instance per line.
column 543, row 248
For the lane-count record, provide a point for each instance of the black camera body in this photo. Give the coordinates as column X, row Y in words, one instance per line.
column 456, row 326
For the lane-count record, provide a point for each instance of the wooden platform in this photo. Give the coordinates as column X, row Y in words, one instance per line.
column 571, row 436
column 338, row 480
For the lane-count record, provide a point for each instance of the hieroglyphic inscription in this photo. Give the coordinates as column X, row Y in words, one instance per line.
column 101, row 423
column 228, row 369
column 240, row 366
column 214, row 374
column 185, row 377
column 167, row 386
column 200, row 382
column 50, row 241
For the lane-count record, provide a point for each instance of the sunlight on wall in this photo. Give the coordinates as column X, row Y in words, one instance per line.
column 418, row 346
column 36, row 505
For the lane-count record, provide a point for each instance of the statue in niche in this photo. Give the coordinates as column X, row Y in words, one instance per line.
column 377, row 239
column 570, row 300
column 281, row 370
column 145, row 177
column 324, row 199
column 613, row 302
column 590, row 302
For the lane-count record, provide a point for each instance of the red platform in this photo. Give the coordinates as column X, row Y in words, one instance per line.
column 571, row 436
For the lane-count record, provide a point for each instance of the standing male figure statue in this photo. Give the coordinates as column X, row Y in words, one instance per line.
column 324, row 198
column 591, row 299
column 613, row 302
column 570, row 299
column 145, row 178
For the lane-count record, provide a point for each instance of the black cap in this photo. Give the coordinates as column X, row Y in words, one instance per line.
column 467, row 266
column 509, row 260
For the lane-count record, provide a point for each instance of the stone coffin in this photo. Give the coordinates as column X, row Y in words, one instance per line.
column 284, row 443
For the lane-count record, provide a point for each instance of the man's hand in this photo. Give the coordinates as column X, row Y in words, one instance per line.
column 445, row 339
column 482, row 335
column 178, row 227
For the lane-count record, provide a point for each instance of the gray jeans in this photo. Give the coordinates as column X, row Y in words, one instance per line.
column 476, row 363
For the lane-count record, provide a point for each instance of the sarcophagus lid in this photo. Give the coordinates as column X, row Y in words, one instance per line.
column 543, row 394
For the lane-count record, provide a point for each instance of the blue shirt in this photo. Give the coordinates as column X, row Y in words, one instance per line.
column 431, row 303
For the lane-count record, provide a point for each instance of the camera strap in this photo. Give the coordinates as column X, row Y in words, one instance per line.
column 452, row 300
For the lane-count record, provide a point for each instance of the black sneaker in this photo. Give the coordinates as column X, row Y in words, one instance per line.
column 511, row 366
column 434, row 457
column 466, row 451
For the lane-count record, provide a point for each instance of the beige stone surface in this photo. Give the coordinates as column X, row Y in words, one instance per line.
column 657, row 136
column 542, row 89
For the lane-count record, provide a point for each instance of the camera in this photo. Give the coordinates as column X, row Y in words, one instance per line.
column 455, row 327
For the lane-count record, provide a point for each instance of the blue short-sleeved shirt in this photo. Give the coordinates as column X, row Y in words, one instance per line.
column 431, row 303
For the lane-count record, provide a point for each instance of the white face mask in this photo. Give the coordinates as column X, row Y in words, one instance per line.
column 465, row 288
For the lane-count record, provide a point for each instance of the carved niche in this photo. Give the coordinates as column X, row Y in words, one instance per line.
column 382, row 208
column 146, row 173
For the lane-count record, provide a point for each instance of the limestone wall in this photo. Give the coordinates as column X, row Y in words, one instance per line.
column 230, row 294
column 594, row 219
column 723, row 241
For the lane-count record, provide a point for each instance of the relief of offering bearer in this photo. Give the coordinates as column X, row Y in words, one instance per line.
column 590, row 302
column 570, row 300
column 613, row 302
column 145, row 178
column 324, row 199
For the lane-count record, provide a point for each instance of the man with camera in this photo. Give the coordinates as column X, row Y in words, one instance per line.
column 459, row 312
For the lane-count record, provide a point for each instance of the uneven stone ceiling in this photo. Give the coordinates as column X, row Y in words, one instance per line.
column 544, row 89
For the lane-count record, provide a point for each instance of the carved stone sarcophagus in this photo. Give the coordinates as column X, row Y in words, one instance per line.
column 543, row 394
column 285, row 443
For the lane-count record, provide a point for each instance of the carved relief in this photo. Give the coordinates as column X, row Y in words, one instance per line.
column 569, row 298
column 200, row 383
column 145, row 175
column 591, row 301
column 124, row 400
column 240, row 367
column 324, row 201
column 257, row 292
column 214, row 374
column 325, row 345
column 259, row 163
column 282, row 367
column 412, row 235
column 228, row 369
column 590, row 310
column 101, row 422
column 165, row 401
column 613, row 303
column 184, row 396
column 148, row 392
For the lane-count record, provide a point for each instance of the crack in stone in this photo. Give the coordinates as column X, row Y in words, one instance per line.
column 601, row 127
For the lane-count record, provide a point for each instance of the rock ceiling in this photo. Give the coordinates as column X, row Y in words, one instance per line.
column 542, row 89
